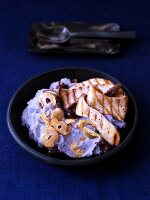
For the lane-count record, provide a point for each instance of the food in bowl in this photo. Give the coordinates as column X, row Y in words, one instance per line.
column 77, row 119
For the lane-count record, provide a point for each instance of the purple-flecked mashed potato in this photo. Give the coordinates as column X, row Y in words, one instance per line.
column 31, row 118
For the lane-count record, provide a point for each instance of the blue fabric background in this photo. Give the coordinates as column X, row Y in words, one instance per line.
column 127, row 176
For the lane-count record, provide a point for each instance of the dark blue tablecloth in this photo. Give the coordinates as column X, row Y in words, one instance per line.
column 127, row 176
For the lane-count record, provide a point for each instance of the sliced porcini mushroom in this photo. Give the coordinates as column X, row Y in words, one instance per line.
column 49, row 137
column 57, row 113
column 108, row 104
column 44, row 118
column 82, row 122
column 47, row 98
column 70, row 121
column 105, row 128
column 60, row 126
column 90, row 134
column 76, row 150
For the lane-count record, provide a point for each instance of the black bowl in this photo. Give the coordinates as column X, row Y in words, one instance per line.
column 28, row 90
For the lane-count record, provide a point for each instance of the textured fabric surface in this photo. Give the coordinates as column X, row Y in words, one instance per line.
column 127, row 175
